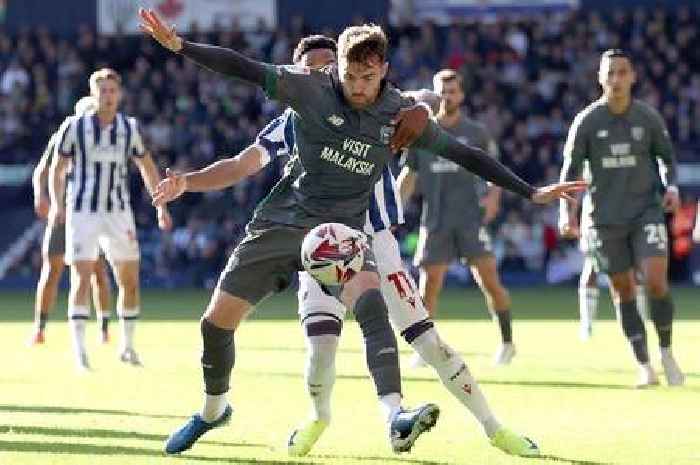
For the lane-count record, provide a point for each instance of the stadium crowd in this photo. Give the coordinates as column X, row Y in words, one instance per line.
column 525, row 78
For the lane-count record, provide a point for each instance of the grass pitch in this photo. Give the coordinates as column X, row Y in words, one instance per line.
column 573, row 398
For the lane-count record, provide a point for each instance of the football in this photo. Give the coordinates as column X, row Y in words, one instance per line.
column 333, row 253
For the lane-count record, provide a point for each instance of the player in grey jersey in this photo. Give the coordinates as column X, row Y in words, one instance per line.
column 452, row 222
column 628, row 150
column 53, row 249
column 342, row 123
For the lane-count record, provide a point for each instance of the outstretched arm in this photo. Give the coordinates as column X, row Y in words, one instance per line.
column 217, row 176
column 479, row 162
column 218, row 59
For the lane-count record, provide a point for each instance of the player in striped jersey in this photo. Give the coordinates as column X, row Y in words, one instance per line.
column 320, row 313
column 53, row 249
column 97, row 210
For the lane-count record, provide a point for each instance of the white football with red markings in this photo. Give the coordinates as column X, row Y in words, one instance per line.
column 333, row 253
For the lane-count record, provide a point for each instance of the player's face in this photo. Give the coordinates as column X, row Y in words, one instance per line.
column 361, row 81
column 616, row 76
column 451, row 94
column 108, row 95
column 318, row 58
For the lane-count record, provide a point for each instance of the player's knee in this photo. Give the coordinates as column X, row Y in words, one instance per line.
column 624, row 287
column 370, row 309
column 657, row 286
column 358, row 286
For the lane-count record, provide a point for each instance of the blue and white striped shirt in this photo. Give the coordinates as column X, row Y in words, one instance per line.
column 385, row 209
column 100, row 155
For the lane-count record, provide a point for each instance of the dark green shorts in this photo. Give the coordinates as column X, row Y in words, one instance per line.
column 619, row 248
column 444, row 246
column 54, row 240
column 265, row 261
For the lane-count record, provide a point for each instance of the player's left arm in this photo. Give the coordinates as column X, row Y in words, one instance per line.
column 477, row 161
column 491, row 202
column 149, row 173
column 662, row 149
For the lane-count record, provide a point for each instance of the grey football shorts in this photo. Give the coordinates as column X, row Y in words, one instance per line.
column 618, row 248
column 54, row 242
column 266, row 260
column 444, row 246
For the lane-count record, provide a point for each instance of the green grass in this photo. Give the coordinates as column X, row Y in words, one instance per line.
column 573, row 398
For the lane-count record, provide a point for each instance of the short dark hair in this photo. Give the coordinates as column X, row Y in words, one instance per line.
column 360, row 44
column 313, row 42
column 616, row 53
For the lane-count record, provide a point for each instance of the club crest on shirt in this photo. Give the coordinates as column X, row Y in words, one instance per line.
column 335, row 120
column 637, row 133
column 385, row 133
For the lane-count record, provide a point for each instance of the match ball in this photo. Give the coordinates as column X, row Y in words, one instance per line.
column 333, row 253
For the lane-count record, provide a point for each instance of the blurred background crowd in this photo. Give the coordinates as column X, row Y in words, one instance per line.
column 525, row 78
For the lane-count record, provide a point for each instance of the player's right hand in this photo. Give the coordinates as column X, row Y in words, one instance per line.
column 41, row 206
column 169, row 188
column 152, row 25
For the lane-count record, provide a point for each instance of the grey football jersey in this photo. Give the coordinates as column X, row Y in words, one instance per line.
column 623, row 153
column 337, row 153
column 451, row 193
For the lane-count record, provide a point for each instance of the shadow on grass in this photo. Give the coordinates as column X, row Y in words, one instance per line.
column 360, row 351
column 494, row 382
column 555, row 458
column 92, row 450
column 78, row 410
column 386, row 459
column 105, row 433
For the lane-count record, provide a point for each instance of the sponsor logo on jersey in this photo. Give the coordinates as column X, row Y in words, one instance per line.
column 357, row 148
column 637, row 133
column 336, row 120
column 620, row 149
column 441, row 165
column 602, row 134
column 347, row 162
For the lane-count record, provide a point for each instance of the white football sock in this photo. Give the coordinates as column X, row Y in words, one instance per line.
column 77, row 316
column 319, row 374
column 128, row 318
column 456, row 377
column 588, row 304
column 214, row 406
column 390, row 405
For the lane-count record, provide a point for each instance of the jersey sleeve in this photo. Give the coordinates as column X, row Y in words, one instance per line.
column 662, row 148
column 291, row 85
column 66, row 138
column 274, row 139
column 575, row 150
column 136, row 146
